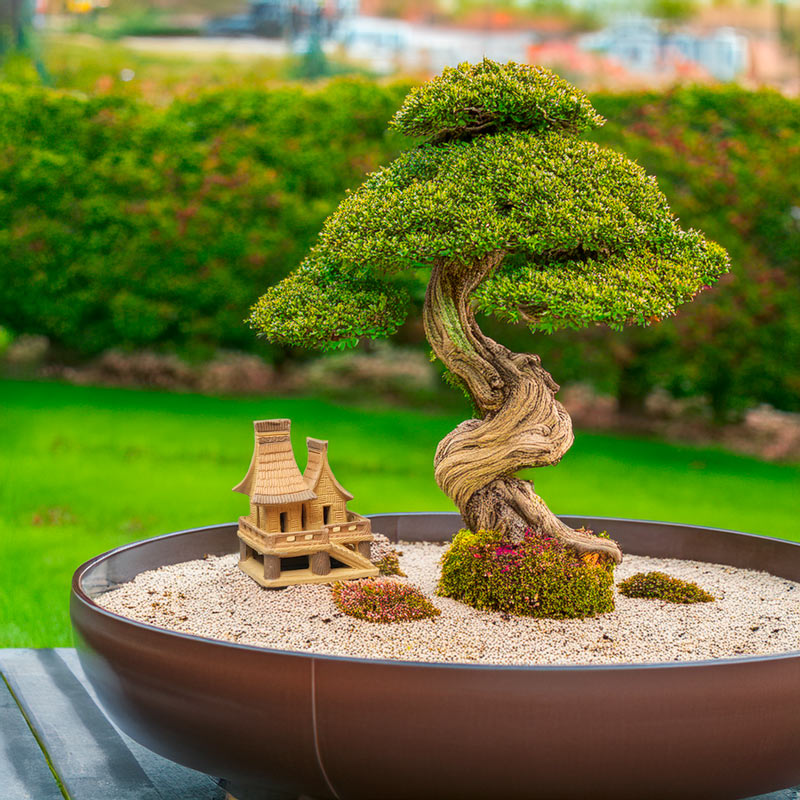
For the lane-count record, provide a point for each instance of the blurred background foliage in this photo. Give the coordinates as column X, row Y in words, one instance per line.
column 131, row 223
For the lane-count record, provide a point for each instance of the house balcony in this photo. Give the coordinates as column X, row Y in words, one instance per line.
column 355, row 529
column 284, row 543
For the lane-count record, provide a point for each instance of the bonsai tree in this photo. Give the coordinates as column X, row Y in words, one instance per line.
column 504, row 210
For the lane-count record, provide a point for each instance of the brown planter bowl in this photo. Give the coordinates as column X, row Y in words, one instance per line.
column 295, row 723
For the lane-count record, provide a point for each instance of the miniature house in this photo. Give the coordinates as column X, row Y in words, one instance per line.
column 299, row 529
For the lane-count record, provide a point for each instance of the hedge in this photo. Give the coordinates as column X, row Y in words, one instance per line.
column 728, row 159
column 128, row 225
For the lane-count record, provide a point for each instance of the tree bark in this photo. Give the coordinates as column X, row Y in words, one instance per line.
column 520, row 423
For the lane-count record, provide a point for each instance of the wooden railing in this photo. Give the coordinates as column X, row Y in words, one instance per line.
column 298, row 538
column 356, row 529
column 288, row 541
column 251, row 532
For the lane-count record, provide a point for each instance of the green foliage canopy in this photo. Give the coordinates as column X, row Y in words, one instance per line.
column 587, row 234
column 478, row 98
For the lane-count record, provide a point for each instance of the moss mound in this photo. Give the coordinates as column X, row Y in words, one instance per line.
column 384, row 556
column 660, row 586
column 382, row 600
column 390, row 565
column 537, row 577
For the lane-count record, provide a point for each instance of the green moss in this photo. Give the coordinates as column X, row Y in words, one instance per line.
column 660, row 586
column 383, row 600
column 537, row 577
column 390, row 565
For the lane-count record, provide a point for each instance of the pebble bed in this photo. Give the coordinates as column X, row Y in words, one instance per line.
column 755, row 614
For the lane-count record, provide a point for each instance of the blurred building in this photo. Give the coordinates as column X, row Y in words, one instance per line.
column 644, row 46
column 586, row 68
column 283, row 18
column 69, row 6
column 387, row 45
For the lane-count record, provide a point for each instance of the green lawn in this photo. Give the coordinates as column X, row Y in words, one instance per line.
column 84, row 469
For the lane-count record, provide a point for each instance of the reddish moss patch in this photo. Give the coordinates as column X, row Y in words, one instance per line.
column 382, row 600
column 537, row 577
column 660, row 586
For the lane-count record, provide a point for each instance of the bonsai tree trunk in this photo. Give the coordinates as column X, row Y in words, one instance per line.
column 520, row 423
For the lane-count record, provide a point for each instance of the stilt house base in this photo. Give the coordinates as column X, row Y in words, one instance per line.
column 256, row 565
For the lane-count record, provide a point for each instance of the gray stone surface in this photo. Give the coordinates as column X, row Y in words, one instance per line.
column 91, row 757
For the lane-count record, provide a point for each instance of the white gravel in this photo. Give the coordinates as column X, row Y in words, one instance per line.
column 755, row 614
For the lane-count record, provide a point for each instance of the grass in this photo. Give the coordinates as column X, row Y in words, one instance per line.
column 156, row 74
column 85, row 469
column 94, row 66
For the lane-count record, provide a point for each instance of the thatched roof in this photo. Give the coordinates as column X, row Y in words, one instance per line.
column 273, row 477
column 318, row 464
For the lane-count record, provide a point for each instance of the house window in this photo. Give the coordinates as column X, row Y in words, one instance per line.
column 284, row 521
column 303, row 516
column 326, row 514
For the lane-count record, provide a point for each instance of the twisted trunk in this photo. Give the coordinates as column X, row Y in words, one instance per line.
column 521, row 423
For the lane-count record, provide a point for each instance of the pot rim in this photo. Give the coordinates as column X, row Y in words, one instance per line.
column 82, row 596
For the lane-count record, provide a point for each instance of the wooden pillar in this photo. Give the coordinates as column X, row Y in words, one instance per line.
column 320, row 563
column 244, row 551
column 272, row 567
column 364, row 549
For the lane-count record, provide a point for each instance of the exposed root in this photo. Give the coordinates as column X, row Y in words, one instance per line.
column 522, row 424
column 511, row 506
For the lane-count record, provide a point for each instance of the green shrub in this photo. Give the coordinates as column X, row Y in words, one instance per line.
column 537, row 577
column 660, row 586
column 126, row 225
column 728, row 159
column 382, row 600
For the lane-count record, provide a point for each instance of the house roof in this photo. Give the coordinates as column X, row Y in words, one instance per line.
column 274, row 477
column 317, row 464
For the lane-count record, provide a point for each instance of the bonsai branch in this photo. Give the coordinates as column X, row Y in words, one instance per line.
column 521, row 424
